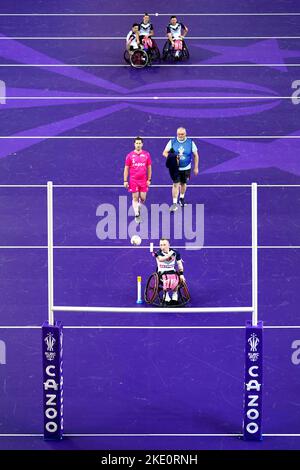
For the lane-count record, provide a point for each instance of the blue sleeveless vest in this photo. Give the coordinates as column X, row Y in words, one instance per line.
column 184, row 150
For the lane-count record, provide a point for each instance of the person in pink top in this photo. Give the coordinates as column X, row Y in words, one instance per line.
column 138, row 168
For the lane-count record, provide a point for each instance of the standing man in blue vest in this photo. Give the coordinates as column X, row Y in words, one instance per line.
column 182, row 149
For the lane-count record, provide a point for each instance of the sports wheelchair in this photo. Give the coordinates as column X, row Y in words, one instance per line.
column 177, row 53
column 144, row 55
column 155, row 294
column 151, row 48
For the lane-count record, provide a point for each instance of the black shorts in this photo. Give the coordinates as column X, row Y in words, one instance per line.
column 181, row 176
column 134, row 48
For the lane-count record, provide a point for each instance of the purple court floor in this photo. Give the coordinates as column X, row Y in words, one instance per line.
column 71, row 110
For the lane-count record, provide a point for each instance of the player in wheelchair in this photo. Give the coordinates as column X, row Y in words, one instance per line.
column 167, row 287
column 146, row 33
column 175, row 48
column 135, row 53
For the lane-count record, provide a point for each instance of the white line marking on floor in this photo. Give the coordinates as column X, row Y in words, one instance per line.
column 155, row 14
column 152, row 186
column 146, row 247
column 175, row 435
column 153, row 65
column 147, row 137
column 146, row 327
column 146, row 98
column 121, row 38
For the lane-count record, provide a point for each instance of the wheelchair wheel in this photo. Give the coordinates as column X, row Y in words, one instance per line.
column 166, row 51
column 170, row 55
column 151, row 289
column 155, row 54
column 159, row 300
column 139, row 59
column 127, row 57
column 185, row 52
column 184, row 294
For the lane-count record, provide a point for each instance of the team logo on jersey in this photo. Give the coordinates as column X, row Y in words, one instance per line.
column 181, row 151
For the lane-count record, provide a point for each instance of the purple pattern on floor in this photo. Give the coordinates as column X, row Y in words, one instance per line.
column 148, row 381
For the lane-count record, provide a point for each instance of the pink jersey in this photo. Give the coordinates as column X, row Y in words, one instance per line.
column 138, row 163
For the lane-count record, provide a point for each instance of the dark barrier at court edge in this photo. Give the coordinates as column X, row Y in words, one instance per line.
column 252, row 424
column 52, row 339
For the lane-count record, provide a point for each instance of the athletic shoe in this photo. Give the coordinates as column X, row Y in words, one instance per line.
column 182, row 202
column 173, row 207
column 138, row 219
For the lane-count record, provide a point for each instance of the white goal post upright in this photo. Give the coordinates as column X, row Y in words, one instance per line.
column 50, row 252
column 254, row 225
column 52, row 347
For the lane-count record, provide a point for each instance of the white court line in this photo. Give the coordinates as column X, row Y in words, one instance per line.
column 153, row 65
column 141, row 327
column 168, row 186
column 152, row 186
column 176, row 435
column 146, row 98
column 21, row 435
column 127, row 435
column 146, row 247
column 121, row 38
column 121, row 186
column 23, row 327
column 17, row 247
column 129, row 327
column 113, row 137
column 23, row 186
column 155, row 14
column 270, row 327
column 196, row 247
column 123, row 310
column 150, row 435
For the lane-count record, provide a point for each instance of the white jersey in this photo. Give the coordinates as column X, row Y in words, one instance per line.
column 145, row 29
column 176, row 30
column 131, row 39
column 169, row 265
